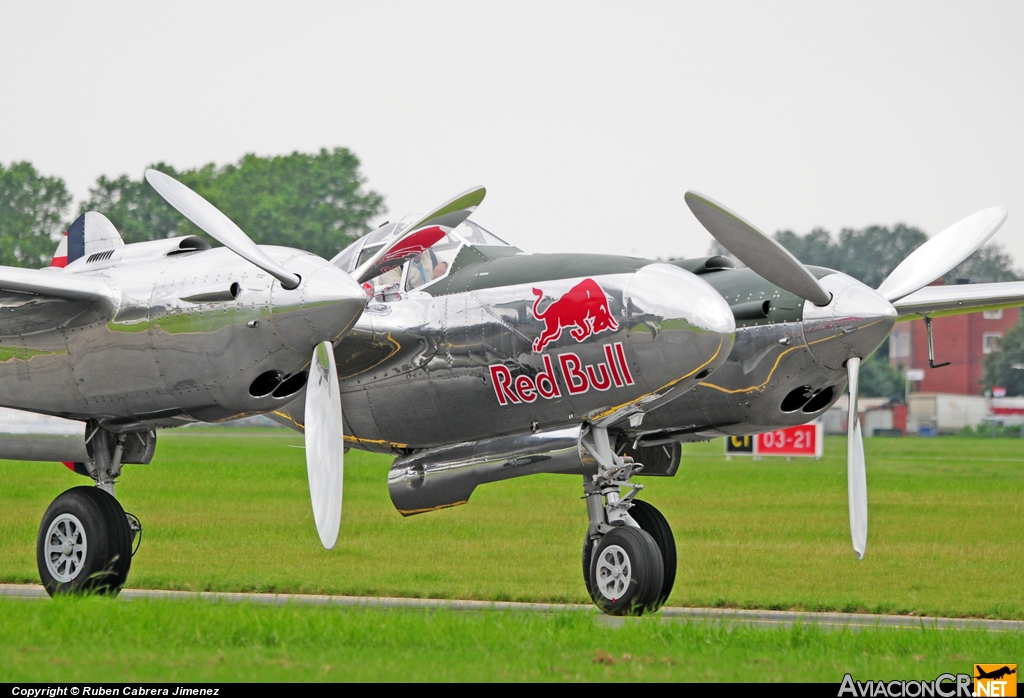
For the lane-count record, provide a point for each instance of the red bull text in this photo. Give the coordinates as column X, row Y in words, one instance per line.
column 577, row 377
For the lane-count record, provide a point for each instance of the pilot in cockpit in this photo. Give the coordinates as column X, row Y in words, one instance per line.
column 425, row 268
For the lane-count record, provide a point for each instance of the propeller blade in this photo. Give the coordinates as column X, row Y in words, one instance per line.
column 765, row 256
column 452, row 212
column 941, row 253
column 218, row 226
column 325, row 443
column 856, row 473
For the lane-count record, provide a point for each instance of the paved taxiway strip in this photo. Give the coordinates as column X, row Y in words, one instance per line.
column 718, row 615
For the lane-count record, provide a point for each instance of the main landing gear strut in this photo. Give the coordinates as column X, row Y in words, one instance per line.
column 85, row 538
column 629, row 555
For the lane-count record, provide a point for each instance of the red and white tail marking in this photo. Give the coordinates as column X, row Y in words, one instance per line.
column 60, row 257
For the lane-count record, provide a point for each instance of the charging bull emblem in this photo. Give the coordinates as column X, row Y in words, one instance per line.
column 584, row 308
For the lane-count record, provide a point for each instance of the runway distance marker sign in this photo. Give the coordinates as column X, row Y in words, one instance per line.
column 805, row 440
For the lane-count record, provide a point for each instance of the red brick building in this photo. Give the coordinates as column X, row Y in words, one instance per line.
column 962, row 340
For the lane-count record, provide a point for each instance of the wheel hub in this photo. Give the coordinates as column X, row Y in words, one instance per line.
column 613, row 572
column 65, row 547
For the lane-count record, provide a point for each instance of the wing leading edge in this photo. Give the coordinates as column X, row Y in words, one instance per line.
column 36, row 300
column 56, row 284
column 937, row 301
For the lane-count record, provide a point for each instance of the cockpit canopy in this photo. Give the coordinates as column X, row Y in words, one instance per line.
column 433, row 264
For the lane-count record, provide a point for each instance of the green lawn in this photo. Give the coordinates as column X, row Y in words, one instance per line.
column 229, row 510
column 96, row 639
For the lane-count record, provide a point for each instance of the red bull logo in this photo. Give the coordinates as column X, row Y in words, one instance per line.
column 583, row 310
column 577, row 377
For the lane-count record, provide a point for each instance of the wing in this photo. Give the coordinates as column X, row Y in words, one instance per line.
column 936, row 301
column 36, row 300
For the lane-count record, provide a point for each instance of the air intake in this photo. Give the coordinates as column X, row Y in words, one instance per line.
column 100, row 256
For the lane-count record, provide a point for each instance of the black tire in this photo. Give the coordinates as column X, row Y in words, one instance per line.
column 653, row 522
column 635, row 555
column 102, row 567
column 588, row 554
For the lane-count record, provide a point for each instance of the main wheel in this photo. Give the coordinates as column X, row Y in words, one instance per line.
column 626, row 572
column 84, row 544
column 654, row 522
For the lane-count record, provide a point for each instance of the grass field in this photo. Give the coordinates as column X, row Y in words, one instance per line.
column 97, row 639
column 227, row 510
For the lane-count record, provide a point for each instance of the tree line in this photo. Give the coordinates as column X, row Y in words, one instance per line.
column 870, row 254
column 315, row 202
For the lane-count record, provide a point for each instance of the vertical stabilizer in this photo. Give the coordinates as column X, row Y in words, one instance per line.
column 90, row 233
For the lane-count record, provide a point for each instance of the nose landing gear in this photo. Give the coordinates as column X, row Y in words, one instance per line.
column 629, row 554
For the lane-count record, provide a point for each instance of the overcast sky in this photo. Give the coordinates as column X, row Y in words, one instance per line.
column 586, row 121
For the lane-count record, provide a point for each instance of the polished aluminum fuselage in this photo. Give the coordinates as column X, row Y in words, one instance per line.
column 182, row 339
column 417, row 370
column 426, row 370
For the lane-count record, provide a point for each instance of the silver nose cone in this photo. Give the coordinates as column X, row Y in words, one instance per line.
column 670, row 300
column 680, row 328
column 331, row 302
column 854, row 324
column 323, row 307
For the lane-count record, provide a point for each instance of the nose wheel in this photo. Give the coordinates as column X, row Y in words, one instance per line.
column 626, row 572
column 629, row 554
column 598, row 573
column 84, row 544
